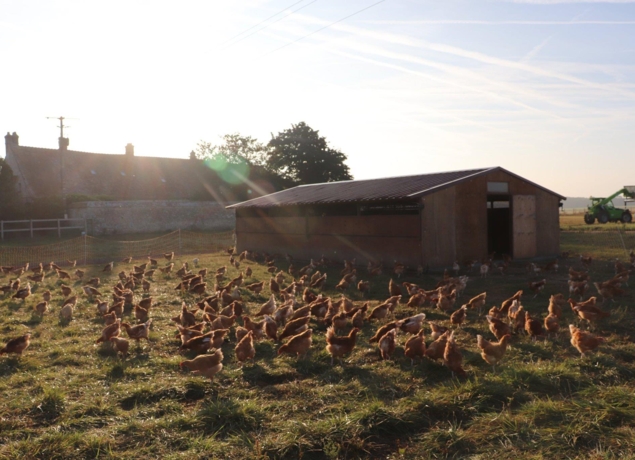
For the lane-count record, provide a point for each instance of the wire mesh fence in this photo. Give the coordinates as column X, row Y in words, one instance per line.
column 91, row 250
column 616, row 244
column 610, row 244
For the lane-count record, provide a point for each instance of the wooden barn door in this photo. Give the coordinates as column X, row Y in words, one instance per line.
column 524, row 226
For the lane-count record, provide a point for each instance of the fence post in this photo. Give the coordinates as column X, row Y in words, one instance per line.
column 31, row 227
column 2, row 229
column 59, row 229
column 619, row 232
column 180, row 250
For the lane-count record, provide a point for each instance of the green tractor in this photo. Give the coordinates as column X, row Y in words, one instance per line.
column 604, row 211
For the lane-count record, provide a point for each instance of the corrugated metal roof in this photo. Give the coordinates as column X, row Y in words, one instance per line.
column 389, row 188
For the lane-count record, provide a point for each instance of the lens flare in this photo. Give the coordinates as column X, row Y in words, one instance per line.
column 231, row 173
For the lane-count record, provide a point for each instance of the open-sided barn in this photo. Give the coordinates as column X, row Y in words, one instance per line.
column 429, row 220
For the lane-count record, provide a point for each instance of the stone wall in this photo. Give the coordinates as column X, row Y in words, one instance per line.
column 141, row 216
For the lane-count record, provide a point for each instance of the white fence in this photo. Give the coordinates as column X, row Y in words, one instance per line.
column 26, row 226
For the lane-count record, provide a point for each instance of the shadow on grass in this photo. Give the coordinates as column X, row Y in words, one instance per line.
column 146, row 396
column 51, row 406
column 117, row 371
column 15, row 306
column 34, row 320
column 63, row 322
column 106, row 350
column 257, row 375
column 10, row 365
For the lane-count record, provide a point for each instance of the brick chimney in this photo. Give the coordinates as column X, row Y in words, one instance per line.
column 12, row 139
column 130, row 150
column 63, row 143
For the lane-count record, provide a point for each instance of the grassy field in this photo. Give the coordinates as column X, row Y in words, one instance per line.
column 67, row 397
column 575, row 222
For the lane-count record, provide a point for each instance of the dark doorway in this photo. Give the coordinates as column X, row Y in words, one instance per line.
column 499, row 225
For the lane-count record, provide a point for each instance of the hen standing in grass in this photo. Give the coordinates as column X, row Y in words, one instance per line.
column 245, row 348
column 387, row 344
column 121, row 345
column 17, row 345
column 415, row 347
column 452, row 357
column 206, row 365
column 584, row 341
column 339, row 346
column 436, row 349
column 298, row 344
column 493, row 352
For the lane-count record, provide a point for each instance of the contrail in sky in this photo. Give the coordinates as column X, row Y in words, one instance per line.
column 554, row 2
column 423, row 22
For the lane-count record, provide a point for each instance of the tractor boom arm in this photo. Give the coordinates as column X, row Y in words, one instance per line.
column 608, row 199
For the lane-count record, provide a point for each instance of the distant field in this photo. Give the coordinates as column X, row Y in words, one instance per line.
column 68, row 398
column 575, row 222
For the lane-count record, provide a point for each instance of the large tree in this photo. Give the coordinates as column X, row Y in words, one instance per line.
column 301, row 155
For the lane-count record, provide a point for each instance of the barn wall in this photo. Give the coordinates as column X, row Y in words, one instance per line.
column 439, row 228
column 337, row 237
column 452, row 226
column 547, row 212
column 471, row 216
column 471, row 219
column 276, row 225
column 547, row 224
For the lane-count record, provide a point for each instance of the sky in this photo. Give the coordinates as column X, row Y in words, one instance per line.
column 543, row 88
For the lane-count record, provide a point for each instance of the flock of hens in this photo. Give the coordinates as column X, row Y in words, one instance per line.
column 286, row 316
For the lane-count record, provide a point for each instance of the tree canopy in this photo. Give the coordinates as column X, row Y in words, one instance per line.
column 301, row 155
column 248, row 168
column 234, row 149
column 240, row 163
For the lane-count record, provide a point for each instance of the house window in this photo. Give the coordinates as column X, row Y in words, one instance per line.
column 498, row 187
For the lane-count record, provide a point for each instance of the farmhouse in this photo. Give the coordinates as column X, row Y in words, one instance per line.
column 126, row 193
column 429, row 219
column 43, row 172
